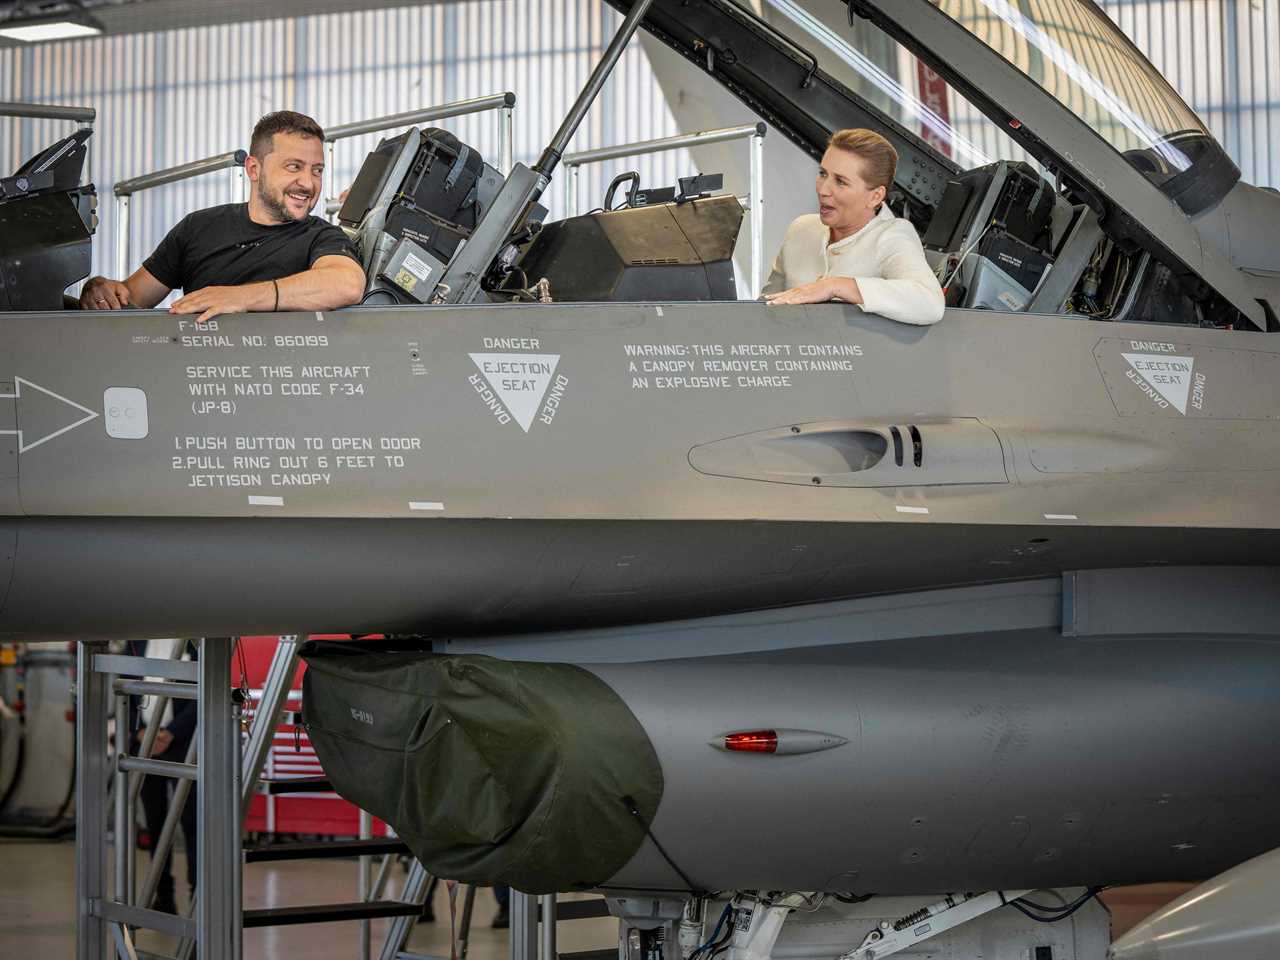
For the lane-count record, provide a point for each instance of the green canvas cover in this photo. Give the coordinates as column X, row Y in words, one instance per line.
column 490, row 770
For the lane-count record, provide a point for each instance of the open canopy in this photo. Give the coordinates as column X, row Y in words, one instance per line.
column 1054, row 78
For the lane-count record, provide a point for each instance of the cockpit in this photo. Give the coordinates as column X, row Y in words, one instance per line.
column 1017, row 211
column 419, row 195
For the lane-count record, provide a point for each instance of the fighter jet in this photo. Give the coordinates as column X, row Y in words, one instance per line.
column 713, row 596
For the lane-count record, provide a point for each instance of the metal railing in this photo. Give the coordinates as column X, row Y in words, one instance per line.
column 504, row 103
column 85, row 116
column 232, row 160
column 754, row 132
column 81, row 116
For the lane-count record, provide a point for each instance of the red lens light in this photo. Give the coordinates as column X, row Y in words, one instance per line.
column 752, row 741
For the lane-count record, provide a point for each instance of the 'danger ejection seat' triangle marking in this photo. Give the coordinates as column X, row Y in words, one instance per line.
column 519, row 379
column 1168, row 376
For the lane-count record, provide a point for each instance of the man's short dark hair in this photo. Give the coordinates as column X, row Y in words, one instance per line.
column 282, row 121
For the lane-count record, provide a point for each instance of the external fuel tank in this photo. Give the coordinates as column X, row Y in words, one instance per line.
column 1022, row 759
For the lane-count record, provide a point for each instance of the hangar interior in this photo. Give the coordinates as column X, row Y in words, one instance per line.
column 170, row 90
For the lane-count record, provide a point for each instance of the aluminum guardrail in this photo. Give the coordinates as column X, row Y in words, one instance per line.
column 85, row 116
column 754, row 132
column 232, row 160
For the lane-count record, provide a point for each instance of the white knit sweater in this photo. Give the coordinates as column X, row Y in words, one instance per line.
column 885, row 257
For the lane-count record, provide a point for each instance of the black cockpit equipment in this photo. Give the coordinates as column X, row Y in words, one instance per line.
column 47, row 222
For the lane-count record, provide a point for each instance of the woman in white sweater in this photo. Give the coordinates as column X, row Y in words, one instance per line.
column 854, row 249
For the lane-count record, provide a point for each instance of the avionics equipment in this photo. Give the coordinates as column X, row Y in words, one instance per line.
column 47, row 221
column 682, row 250
column 416, row 198
column 997, row 224
column 690, row 188
column 492, row 248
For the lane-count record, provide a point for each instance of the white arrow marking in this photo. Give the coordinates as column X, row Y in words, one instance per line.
column 23, row 446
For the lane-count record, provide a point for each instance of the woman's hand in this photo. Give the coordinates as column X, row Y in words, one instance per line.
column 820, row 291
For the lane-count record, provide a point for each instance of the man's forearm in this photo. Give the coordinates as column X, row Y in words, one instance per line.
column 319, row 289
column 325, row 287
column 259, row 296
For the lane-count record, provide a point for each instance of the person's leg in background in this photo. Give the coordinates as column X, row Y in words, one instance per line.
column 155, row 806
column 502, row 919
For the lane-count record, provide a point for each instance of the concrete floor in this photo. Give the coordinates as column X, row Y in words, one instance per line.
column 37, row 910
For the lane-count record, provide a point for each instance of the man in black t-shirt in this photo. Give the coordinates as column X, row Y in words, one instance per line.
column 268, row 254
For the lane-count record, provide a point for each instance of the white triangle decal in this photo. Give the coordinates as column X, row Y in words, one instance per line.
column 1168, row 376
column 519, row 379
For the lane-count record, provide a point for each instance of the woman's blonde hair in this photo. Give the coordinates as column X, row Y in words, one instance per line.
column 881, row 159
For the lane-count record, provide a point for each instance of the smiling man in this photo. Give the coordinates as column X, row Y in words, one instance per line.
column 267, row 254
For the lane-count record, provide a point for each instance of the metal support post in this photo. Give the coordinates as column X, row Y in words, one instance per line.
column 161, row 846
column 136, row 777
column 223, row 797
column 506, row 140
column 330, row 188
column 218, row 867
column 90, row 155
column 123, row 939
column 365, row 866
column 384, row 874
column 275, row 692
column 416, row 885
column 548, row 902
column 123, row 889
column 571, row 190
column 524, row 927
column 757, row 212
column 92, row 764
column 160, row 705
column 464, row 925
column 266, row 717
column 122, row 238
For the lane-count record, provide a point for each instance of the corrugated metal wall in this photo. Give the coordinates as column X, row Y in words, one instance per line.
column 1223, row 56
column 169, row 98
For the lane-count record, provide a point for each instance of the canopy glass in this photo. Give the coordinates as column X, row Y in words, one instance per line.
column 1074, row 52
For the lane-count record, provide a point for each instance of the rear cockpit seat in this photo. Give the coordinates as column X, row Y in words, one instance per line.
column 416, row 198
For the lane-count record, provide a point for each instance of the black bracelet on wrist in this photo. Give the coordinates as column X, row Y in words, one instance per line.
column 276, row 287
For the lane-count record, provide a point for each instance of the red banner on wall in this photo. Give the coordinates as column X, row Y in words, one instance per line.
column 933, row 94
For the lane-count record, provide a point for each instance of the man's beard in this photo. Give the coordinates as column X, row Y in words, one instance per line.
column 276, row 205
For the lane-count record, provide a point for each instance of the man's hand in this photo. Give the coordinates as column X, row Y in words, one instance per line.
column 103, row 294
column 820, row 291
column 162, row 742
column 209, row 302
